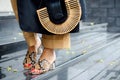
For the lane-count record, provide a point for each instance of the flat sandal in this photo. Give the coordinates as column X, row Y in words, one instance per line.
column 42, row 69
column 30, row 59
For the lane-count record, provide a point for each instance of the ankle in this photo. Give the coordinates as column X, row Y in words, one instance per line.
column 49, row 50
column 48, row 54
column 34, row 48
column 31, row 49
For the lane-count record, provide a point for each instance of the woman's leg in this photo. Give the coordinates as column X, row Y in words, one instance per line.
column 52, row 42
column 32, row 39
column 14, row 6
column 47, row 58
column 56, row 41
column 33, row 42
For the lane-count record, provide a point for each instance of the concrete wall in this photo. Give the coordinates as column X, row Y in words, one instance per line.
column 104, row 11
column 5, row 6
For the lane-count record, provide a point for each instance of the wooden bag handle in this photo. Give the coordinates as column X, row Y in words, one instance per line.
column 74, row 15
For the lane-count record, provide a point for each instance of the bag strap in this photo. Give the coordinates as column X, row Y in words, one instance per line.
column 55, row 10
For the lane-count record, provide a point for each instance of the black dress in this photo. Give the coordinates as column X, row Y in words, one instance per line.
column 28, row 18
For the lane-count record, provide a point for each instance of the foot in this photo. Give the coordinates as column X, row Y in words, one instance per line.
column 45, row 63
column 30, row 58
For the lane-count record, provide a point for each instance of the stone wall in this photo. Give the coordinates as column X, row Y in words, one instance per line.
column 100, row 11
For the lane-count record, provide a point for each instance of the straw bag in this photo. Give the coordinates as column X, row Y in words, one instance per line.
column 60, row 16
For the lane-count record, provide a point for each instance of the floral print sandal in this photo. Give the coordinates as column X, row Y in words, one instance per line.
column 42, row 66
column 30, row 58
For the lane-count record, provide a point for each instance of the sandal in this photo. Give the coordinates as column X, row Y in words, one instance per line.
column 30, row 58
column 41, row 65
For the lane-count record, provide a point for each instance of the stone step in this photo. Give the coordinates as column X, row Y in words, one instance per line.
column 65, row 58
column 84, row 37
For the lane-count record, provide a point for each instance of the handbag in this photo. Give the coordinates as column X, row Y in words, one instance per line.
column 60, row 16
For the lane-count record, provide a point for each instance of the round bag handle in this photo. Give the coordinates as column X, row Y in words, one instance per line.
column 73, row 17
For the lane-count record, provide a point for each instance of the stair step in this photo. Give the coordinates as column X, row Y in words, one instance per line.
column 65, row 58
column 11, row 37
column 92, row 28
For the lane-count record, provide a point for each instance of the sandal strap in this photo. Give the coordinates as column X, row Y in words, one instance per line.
column 42, row 64
column 31, row 56
column 42, row 67
column 25, row 60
